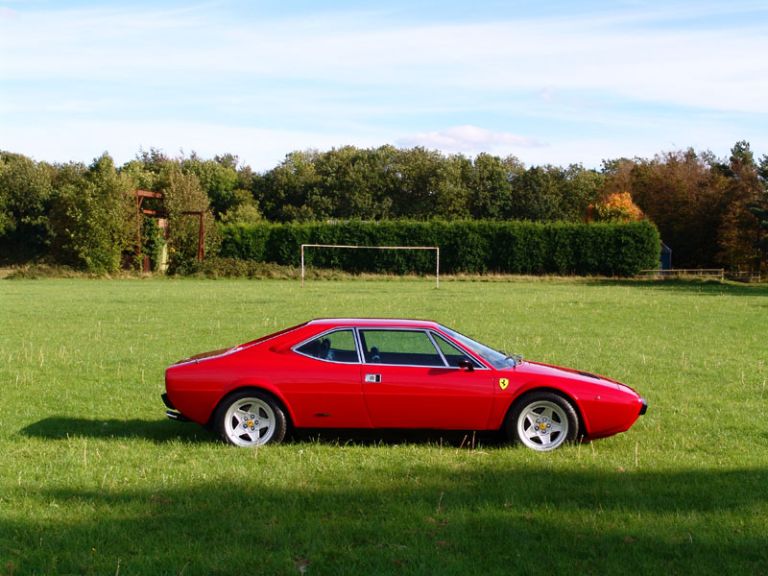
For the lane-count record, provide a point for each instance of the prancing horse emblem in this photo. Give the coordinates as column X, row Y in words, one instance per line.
column 503, row 383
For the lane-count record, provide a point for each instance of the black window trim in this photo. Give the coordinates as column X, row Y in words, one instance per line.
column 428, row 331
column 358, row 338
column 358, row 350
column 478, row 365
column 397, row 329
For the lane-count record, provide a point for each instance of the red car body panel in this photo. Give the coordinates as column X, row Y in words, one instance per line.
column 318, row 393
column 426, row 397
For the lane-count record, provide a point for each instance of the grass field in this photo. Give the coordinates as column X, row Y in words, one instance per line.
column 94, row 480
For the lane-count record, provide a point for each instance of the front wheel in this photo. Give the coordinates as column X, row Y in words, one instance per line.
column 249, row 419
column 542, row 421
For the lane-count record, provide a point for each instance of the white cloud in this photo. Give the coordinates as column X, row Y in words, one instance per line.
column 719, row 69
column 469, row 140
column 263, row 87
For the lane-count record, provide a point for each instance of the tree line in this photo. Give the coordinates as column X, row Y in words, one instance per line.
column 711, row 211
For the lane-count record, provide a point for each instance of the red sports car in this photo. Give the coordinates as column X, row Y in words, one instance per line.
column 367, row 373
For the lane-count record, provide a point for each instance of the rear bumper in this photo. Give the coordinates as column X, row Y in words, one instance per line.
column 172, row 413
column 644, row 408
column 167, row 401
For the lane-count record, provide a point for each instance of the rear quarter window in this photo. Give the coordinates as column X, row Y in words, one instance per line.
column 337, row 346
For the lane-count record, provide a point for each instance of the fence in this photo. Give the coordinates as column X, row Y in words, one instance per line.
column 717, row 273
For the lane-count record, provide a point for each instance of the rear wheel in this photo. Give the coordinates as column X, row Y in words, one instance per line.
column 542, row 421
column 250, row 418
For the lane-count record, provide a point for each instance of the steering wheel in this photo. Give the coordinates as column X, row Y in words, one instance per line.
column 375, row 354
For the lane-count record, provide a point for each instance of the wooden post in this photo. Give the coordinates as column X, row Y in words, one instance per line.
column 201, row 239
column 138, row 226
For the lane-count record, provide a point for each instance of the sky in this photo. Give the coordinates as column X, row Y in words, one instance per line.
column 550, row 82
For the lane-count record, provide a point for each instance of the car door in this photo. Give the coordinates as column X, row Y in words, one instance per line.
column 323, row 383
column 407, row 383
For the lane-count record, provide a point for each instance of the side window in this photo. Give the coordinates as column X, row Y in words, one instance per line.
column 405, row 347
column 453, row 355
column 338, row 346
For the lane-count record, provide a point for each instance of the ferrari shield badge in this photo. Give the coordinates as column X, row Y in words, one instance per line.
column 503, row 383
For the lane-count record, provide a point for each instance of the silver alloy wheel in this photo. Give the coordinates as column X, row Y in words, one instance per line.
column 542, row 425
column 249, row 422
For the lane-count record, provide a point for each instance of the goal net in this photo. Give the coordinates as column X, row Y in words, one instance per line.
column 435, row 249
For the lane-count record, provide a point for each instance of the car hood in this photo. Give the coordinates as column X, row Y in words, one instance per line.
column 549, row 370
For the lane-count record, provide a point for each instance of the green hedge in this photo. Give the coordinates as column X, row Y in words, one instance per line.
column 465, row 246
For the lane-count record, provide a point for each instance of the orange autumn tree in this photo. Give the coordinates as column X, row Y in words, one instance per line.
column 615, row 207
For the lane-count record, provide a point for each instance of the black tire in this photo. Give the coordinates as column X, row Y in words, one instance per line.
column 542, row 421
column 250, row 418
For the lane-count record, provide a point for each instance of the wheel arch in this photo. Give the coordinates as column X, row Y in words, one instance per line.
column 263, row 389
column 583, row 426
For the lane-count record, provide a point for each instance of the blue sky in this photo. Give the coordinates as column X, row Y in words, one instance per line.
column 549, row 82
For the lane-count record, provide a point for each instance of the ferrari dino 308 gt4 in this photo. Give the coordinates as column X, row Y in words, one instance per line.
column 387, row 373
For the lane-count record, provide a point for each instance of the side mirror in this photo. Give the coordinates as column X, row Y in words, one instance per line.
column 465, row 364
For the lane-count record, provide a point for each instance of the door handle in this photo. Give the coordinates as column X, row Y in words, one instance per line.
column 373, row 378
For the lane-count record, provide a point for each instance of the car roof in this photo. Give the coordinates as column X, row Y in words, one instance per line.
column 375, row 322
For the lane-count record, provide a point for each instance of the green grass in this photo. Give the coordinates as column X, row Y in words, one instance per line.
column 94, row 480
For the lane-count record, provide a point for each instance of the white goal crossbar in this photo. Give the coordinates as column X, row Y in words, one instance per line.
column 435, row 248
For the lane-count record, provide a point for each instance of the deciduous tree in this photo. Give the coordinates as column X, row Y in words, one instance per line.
column 93, row 217
column 25, row 195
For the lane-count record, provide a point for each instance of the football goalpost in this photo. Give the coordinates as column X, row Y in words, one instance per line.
column 436, row 249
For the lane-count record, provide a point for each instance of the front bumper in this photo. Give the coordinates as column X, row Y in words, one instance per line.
column 644, row 408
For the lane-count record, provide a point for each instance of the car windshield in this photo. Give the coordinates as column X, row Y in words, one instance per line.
column 498, row 360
